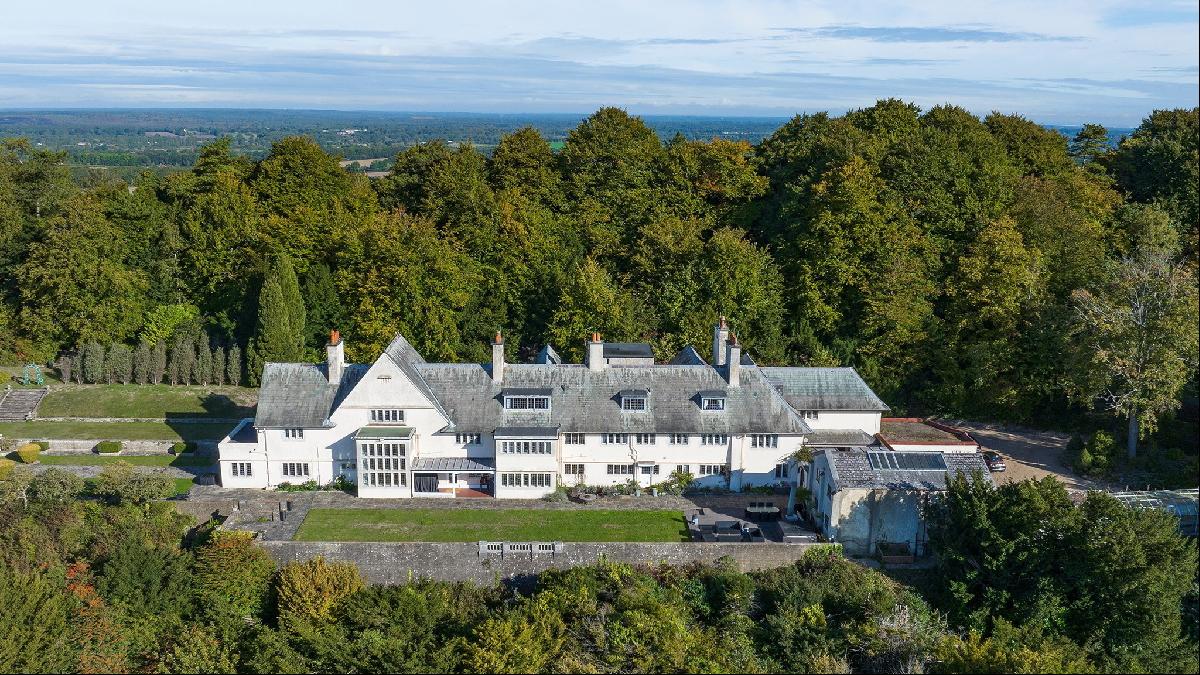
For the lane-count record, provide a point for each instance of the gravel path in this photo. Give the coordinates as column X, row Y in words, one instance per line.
column 1028, row 453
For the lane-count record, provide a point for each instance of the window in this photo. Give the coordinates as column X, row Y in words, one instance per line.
column 636, row 403
column 781, row 470
column 679, row 439
column 527, row 447
column 573, row 439
column 611, row 439
column 649, row 469
column 808, row 414
column 713, row 439
column 382, row 464
column 295, row 469
column 293, row 434
column 764, row 441
column 573, row 469
column 646, row 439
column 467, row 439
column 712, row 469
column 712, row 404
column 907, row 461
column 527, row 402
column 620, row 469
column 384, row 479
column 387, row 415
column 684, row 468
column 241, row 469
column 527, row 480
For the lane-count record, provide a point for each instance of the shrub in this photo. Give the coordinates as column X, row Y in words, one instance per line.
column 559, row 496
column 93, row 362
column 120, row 483
column 108, row 447
column 6, row 467
column 28, row 453
column 306, row 486
column 307, row 591
column 182, row 447
column 55, row 486
column 44, row 445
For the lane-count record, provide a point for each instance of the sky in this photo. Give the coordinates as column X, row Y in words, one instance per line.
column 1057, row 62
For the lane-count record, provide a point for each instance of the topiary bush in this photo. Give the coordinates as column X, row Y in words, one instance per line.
column 44, row 445
column 28, row 453
column 108, row 447
column 182, row 447
column 6, row 467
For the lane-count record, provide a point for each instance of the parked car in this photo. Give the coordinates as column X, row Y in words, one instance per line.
column 995, row 463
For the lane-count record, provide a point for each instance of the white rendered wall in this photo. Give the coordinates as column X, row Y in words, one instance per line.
column 840, row 419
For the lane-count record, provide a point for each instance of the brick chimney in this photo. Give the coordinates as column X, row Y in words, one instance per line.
column 335, row 356
column 720, row 335
column 733, row 361
column 595, row 353
column 498, row 358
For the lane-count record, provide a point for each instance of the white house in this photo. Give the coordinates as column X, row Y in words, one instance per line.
column 402, row 427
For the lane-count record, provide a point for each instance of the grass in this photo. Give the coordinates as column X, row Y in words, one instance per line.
column 135, row 460
column 451, row 525
column 154, row 400
column 119, row 431
column 183, row 485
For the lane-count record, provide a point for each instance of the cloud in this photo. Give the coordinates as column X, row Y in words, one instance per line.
column 927, row 34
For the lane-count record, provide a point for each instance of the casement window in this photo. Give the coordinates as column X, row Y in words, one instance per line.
column 684, row 468
column 614, row 439
column 383, row 479
column 808, row 414
column 382, row 464
column 679, row 439
column 620, row 469
column 241, row 469
column 712, row 404
column 295, row 469
column 712, row 469
column 649, row 470
column 573, row 439
column 573, row 469
column 527, row 402
column 781, row 470
column 713, row 439
column 527, row 447
column 633, row 403
column 387, row 415
column 764, row 441
column 646, row 439
column 293, row 434
column 467, row 439
column 527, row 480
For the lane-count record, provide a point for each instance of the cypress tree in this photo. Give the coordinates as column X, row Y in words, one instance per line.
column 203, row 369
column 141, row 363
column 65, row 365
column 158, row 362
column 274, row 339
column 323, row 307
column 93, row 362
column 187, row 359
column 233, row 366
column 173, row 364
column 218, row 365
column 293, row 303
column 118, row 364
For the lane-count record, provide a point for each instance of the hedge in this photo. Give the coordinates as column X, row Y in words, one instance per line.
column 6, row 467
column 108, row 447
column 182, row 447
column 28, row 453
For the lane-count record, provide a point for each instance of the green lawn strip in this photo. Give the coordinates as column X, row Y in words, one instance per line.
column 183, row 485
column 117, row 431
column 451, row 525
column 156, row 400
column 135, row 460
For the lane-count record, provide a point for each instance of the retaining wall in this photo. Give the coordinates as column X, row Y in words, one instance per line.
column 67, row 446
column 401, row 562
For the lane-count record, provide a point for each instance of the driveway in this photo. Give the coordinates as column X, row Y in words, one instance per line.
column 1028, row 453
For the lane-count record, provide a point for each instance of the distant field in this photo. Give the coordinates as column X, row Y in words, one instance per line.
column 135, row 460
column 450, row 525
column 117, row 431
column 155, row 400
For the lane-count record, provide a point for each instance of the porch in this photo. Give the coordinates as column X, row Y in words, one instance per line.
column 453, row 477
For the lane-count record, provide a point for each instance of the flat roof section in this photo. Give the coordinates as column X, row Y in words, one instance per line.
column 384, row 432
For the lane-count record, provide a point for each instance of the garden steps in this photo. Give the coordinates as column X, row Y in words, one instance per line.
column 20, row 404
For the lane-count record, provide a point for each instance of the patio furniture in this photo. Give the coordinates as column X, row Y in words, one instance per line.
column 762, row 511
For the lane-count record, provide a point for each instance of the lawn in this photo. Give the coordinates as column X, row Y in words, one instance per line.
column 183, row 485
column 448, row 525
column 136, row 460
column 155, row 400
column 117, row 431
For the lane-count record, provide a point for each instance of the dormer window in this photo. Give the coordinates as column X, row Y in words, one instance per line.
column 634, row 400
column 712, row 400
column 527, row 399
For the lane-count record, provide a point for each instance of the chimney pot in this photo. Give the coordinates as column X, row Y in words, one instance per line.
column 498, row 358
column 335, row 357
column 720, row 335
column 335, row 336
column 594, row 354
column 733, row 361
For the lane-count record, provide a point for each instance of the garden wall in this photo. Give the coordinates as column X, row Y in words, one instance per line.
column 77, row 446
column 398, row 563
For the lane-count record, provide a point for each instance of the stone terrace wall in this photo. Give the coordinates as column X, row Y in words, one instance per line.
column 398, row 563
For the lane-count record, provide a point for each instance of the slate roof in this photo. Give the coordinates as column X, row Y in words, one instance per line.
column 823, row 389
column 526, row 432
column 688, row 356
column 300, row 394
column 583, row 400
column 548, row 356
column 845, row 438
column 852, row 468
column 625, row 350
column 484, row 464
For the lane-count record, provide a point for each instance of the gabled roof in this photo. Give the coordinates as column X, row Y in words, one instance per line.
column 853, row 468
column 407, row 358
column 299, row 395
column 588, row 401
column 548, row 356
column 619, row 350
column 688, row 356
column 824, row 389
